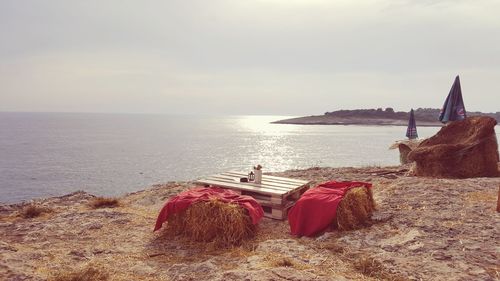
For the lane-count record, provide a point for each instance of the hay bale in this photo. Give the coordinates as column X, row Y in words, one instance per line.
column 412, row 144
column 355, row 209
column 461, row 149
column 405, row 147
column 498, row 200
column 404, row 150
column 220, row 223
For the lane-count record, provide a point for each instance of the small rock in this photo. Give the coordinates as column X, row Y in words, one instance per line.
column 193, row 271
column 324, row 237
column 121, row 221
column 288, row 247
column 416, row 246
column 93, row 225
column 6, row 247
column 142, row 269
column 77, row 254
column 381, row 217
column 281, row 273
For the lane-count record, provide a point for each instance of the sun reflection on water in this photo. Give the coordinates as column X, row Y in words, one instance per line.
column 263, row 124
column 271, row 146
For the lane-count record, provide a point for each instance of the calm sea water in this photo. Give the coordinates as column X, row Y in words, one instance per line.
column 47, row 154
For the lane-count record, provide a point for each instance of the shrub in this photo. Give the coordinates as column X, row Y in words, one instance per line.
column 33, row 211
column 104, row 202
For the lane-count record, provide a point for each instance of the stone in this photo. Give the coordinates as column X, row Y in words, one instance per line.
column 93, row 225
column 6, row 247
column 273, row 274
column 194, row 271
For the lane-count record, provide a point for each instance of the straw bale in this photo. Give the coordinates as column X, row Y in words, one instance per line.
column 220, row 223
column 404, row 150
column 412, row 144
column 498, row 200
column 461, row 149
column 355, row 209
column 405, row 147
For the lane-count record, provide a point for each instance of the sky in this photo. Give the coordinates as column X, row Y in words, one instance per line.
column 277, row 57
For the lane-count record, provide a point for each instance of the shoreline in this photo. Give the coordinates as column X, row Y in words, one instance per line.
column 425, row 117
column 424, row 228
column 330, row 120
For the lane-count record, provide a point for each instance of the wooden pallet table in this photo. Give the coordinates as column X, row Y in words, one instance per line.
column 275, row 194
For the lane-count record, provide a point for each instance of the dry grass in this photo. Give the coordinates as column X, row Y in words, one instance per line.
column 284, row 262
column 480, row 196
column 220, row 224
column 281, row 261
column 89, row 273
column 370, row 267
column 332, row 246
column 494, row 272
column 355, row 209
column 33, row 211
column 104, row 202
column 483, row 198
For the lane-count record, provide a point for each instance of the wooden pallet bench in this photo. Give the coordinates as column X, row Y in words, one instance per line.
column 275, row 194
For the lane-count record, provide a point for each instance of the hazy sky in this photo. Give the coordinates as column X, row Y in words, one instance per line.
column 246, row 57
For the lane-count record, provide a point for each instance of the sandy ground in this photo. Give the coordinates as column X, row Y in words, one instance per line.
column 424, row 229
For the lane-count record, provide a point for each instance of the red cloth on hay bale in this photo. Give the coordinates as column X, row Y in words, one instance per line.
column 316, row 209
column 183, row 200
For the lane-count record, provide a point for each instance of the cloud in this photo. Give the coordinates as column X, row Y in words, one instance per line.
column 213, row 56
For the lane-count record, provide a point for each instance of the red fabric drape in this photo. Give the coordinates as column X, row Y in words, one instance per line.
column 183, row 200
column 316, row 209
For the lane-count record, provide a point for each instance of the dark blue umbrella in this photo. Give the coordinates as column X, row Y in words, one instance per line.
column 411, row 131
column 453, row 108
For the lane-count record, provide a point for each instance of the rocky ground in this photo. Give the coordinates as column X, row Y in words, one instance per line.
column 424, row 229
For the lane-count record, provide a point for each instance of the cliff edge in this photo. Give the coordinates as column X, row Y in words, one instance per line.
column 423, row 229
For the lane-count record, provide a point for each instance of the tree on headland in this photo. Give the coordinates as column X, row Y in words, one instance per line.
column 421, row 114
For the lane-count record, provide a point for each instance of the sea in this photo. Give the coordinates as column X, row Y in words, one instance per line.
column 52, row 154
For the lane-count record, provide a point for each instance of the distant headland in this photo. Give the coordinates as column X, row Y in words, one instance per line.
column 424, row 117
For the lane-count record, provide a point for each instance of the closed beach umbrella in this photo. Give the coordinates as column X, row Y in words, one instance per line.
column 411, row 131
column 453, row 108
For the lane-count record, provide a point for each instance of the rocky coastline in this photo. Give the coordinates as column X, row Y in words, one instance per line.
column 425, row 117
column 423, row 229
